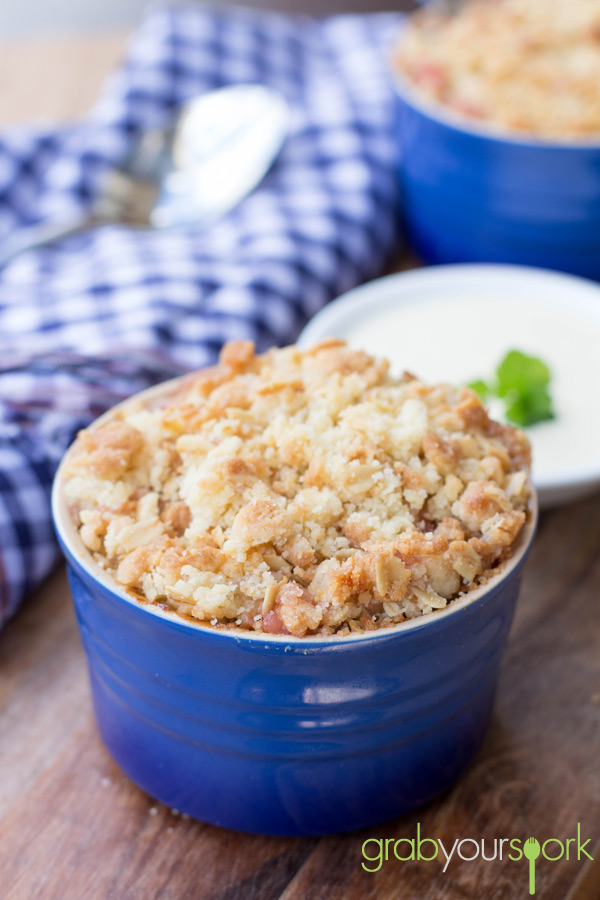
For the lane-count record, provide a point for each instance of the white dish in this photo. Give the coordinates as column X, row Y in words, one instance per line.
column 455, row 323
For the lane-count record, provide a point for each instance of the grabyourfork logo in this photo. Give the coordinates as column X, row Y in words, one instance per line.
column 377, row 851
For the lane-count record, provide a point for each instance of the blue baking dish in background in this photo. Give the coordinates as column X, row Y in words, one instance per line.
column 283, row 735
column 470, row 194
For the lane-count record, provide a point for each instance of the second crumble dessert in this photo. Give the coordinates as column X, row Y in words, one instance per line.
column 521, row 66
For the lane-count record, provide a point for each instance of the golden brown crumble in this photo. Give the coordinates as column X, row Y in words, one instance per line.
column 300, row 493
column 520, row 65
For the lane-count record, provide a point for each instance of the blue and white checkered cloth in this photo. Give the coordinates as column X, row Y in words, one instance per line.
column 92, row 319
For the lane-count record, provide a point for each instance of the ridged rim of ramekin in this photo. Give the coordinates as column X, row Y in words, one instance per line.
column 443, row 115
column 80, row 555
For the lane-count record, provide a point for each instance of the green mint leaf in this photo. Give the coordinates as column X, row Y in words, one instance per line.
column 522, row 381
column 528, row 409
column 481, row 388
column 516, row 412
column 522, row 373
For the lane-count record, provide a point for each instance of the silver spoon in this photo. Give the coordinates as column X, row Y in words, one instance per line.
column 219, row 149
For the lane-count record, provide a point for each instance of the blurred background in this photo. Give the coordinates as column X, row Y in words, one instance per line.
column 30, row 18
column 55, row 54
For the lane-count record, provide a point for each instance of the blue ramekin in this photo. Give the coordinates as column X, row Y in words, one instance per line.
column 474, row 195
column 282, row 735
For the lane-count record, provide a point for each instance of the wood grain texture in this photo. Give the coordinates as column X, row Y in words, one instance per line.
column 73, row 827
column 55, row 80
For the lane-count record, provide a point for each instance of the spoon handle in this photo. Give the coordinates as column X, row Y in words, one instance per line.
column 532, row 876
column 41, row 235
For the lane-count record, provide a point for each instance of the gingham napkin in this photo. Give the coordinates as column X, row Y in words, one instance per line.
column 91, row 320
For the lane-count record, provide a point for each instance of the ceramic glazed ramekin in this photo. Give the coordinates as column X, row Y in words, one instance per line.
column 471, row 195
column 282, row 735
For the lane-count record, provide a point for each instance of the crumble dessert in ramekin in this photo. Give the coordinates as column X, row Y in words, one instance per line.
column 300, row 493
column 528, row 66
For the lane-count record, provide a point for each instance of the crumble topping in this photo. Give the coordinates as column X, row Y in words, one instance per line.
column 520, row 65
column 300, row 492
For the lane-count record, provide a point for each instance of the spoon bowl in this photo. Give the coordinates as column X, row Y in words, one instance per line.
column 223, row 145
column 216, row 152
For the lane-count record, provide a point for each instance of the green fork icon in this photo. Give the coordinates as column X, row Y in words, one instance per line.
column 531, row 851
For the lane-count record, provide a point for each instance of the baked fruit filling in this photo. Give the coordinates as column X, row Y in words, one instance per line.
column 300, row 492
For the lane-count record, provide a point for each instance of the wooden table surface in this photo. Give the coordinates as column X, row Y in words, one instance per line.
column 72, row 827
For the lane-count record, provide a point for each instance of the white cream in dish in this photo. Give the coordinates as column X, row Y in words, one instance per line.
column 456, row 323
column 482, row 331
